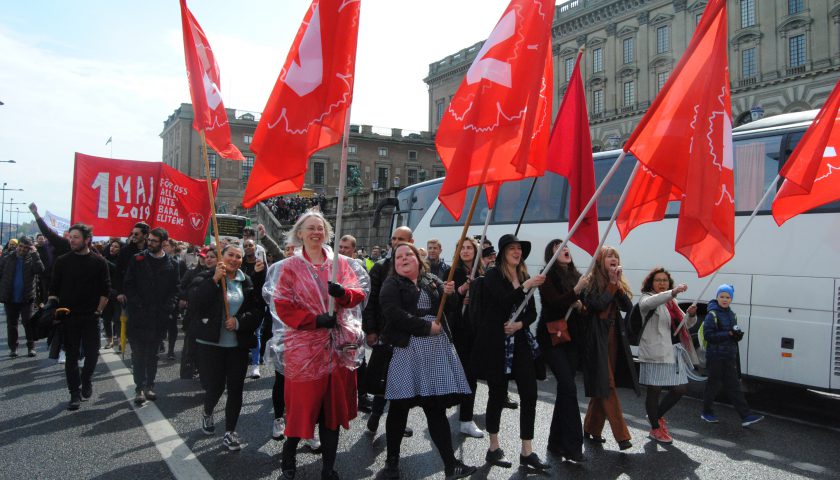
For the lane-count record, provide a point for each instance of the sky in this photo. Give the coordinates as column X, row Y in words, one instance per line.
column 73, row 74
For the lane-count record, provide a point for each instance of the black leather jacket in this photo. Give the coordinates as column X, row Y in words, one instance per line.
column 398, row 300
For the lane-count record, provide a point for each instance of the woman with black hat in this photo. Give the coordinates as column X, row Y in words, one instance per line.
column 505, row 349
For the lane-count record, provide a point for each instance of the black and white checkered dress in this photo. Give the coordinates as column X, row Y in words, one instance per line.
column 428, row 367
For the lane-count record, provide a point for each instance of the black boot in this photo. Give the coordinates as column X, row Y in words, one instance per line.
column 392, row 468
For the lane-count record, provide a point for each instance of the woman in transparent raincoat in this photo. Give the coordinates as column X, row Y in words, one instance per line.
column 320, row 351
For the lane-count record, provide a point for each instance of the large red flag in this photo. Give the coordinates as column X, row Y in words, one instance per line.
column 306, row 110
column 684, row 141
column 570, row 155
column 203, row 74
column 809, row 172
column 496, row 127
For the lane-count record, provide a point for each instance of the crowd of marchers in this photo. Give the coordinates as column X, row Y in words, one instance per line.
column 309, row 313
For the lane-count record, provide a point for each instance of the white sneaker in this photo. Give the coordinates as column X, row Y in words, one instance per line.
column 255, row 372
column 313, row 443
column 62, row 357
column 471, row 429
column 278, row 429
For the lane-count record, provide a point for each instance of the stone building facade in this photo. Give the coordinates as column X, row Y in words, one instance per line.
column 784, row 56
column 378, row 160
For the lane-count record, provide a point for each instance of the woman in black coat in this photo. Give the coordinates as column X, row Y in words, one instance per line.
column 223, row 341
column 424, row 370
column 502, row 291
column 559, row 293
column 607, row 360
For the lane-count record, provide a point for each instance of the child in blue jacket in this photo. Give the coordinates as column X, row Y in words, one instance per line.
column 721, row 330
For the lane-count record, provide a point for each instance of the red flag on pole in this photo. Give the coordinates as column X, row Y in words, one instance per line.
column 306, row 110
column 684, row 141
column 496, row 127
column 810, row 179
column 570, row 155
column 203, row 74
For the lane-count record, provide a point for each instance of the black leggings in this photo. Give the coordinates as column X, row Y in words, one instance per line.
column 656, row 409
column 277, row 394
column 438, row 429
column 524, row 372
column 220, row 368
column 329, row 447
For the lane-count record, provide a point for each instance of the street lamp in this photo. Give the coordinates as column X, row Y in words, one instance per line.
column 7, row 161
column 3, row 206
column 11, row 211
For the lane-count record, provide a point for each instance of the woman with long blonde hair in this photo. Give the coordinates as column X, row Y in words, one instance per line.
column 607, row 359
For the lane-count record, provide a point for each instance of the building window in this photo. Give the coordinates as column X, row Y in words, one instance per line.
column 697, row 19
column 412, row 154
column 661, row 78
column 383, row 152
column 598, row 60
column 747, row 13
column 247, row 139
column 629, row 93
column 663, row 39
column 211, row 160
column 247, row 166
column 797, row 50
column 382, row 177
column 629, row 49
column 412, row 175
column 795, row 6
column 318, row 173
column 439, row 110
column 598, row 101
column 748, row 68
column 352, row 149
column 440, row 173
column 570, row 65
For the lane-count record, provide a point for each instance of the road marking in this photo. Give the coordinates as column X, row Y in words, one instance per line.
column 181, row 461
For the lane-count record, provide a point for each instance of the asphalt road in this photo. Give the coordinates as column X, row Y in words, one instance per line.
column 107, row 439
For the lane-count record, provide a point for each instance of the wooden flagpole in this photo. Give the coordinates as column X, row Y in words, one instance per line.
column 215, row 223
column 339, row 210
column 457, row 255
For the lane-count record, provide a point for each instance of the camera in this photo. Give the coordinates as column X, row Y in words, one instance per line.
column 737, row 333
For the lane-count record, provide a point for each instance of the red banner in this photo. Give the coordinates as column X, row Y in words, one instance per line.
column 112, row 195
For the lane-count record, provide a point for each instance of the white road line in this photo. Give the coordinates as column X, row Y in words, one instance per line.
column 181, row 461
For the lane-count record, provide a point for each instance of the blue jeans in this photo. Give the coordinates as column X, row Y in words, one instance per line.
column 255, row 352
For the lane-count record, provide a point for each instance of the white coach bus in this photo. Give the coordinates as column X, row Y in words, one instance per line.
column 787, row 279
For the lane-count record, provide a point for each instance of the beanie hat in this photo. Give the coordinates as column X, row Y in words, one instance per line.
column 726, row 288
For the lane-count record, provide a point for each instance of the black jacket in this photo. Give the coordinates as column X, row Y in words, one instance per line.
column 398, row 300
column 500, row 301
column 151, row 297
column 208, row 312
column 604, row 310
column 555, row 301
column 31, row 266
column 372, row 318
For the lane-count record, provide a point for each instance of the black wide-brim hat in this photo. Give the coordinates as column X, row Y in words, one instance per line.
column 506, row 240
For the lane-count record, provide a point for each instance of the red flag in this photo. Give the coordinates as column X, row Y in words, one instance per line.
column 809, row 172
column 112, row 195
column 685, row 142
column 570, row 155
column 307, row 108
column 496, row 127
column 203, row 76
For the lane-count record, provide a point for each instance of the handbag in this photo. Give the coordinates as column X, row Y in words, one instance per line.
column 376, row 373
column 556, row 326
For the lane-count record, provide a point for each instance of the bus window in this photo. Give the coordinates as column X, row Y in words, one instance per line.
column 612, row 192
column 443, row 218
column 546, row 203
column 415, row 201
column 756, row 165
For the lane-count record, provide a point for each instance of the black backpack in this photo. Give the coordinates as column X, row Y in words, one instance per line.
column 635, row 325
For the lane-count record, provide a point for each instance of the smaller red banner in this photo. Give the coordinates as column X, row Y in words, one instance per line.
column 112, row 195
